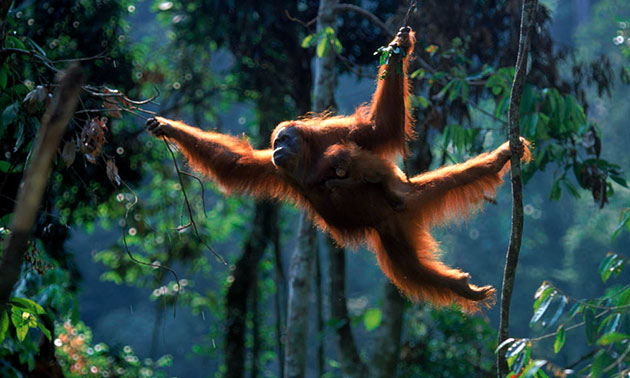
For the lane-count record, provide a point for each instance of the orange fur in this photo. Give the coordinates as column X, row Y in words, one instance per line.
column 364, row 208
column 404, row 246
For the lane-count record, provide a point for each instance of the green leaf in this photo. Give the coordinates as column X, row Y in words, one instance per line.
column 625, row 222
column 308, row 41
column 44, row 330
column 465, row 90
column 576, row 309
column 10, row 114
column 608, row 265
column 28, row 304
column 21, row 332
column 4, row 75
column 559, row 311
column 337, row 44
column 4, row 166
column 532, row 368
column 419, row 74
column 519, row 356
column 36, row 47
column 590, row 326
column 541, row 310
column 372, row 318
column 619, row 180
column 612, row 338
column 4, row 325
column 560, row 337
column 555, row 192
column 504, row 343
column 422, row 101
column 448, row 86
column 322, row 47
column 599, row 363
column 516, row 348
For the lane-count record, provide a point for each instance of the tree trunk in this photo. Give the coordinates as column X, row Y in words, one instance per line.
column 319, row 315
column 300, row 277
column 351, row 364
column 385, row 354
column 301, row 262
column 265, row 220
column 52, row 128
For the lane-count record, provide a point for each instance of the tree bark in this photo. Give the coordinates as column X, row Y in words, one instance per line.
column 528, row 16
column 351, row 364
column 245, row 272
column 280, row 303
column 300, row 277
column 52, row 128
column 319, row 314
column 300, row 271
column 386, row 352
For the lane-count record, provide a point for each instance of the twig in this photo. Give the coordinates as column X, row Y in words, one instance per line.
column 124, row 237
column 188, row 207
column 485, row 112
column 203, row 190
column 305, row 24
column 618, row 361
column 100, row 92
column 528, row 17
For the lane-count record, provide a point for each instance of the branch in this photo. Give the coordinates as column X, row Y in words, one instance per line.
column 528, row 17
column 367, row 14
column 189, row 208
column 53, row 125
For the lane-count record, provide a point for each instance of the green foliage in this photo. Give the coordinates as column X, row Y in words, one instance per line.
column 24, row 314
column 372, row 318
column 78, row 356
column 555, row 122
column 438, row 338
column 325, row 40
column 602, row 319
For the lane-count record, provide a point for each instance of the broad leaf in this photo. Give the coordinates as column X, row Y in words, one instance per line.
column 560, row 338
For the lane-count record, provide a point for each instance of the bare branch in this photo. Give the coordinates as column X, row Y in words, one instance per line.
column 35, row 178
column 307, row 24
column 189, row 208
column 528, row 17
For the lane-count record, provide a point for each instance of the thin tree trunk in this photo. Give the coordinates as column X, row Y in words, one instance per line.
column 351, row 364
column 324, row 89
column 300, row 277
column 301, row 262
column 52, row 128
column 319, row 316
column 528, row 18
column 386, row 352
column 255, row 327
column 244, row 274
column 280, row 303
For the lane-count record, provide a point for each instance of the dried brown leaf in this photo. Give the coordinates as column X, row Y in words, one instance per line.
column 93, row 137
column 69, row 152
column 112, row 172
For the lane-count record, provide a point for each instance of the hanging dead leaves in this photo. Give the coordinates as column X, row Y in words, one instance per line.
column 93, row 139
column 35, row 100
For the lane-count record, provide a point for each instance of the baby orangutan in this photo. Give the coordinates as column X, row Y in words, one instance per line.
column 348, row 166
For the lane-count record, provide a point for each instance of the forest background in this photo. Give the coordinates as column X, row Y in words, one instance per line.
column 83, row 306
